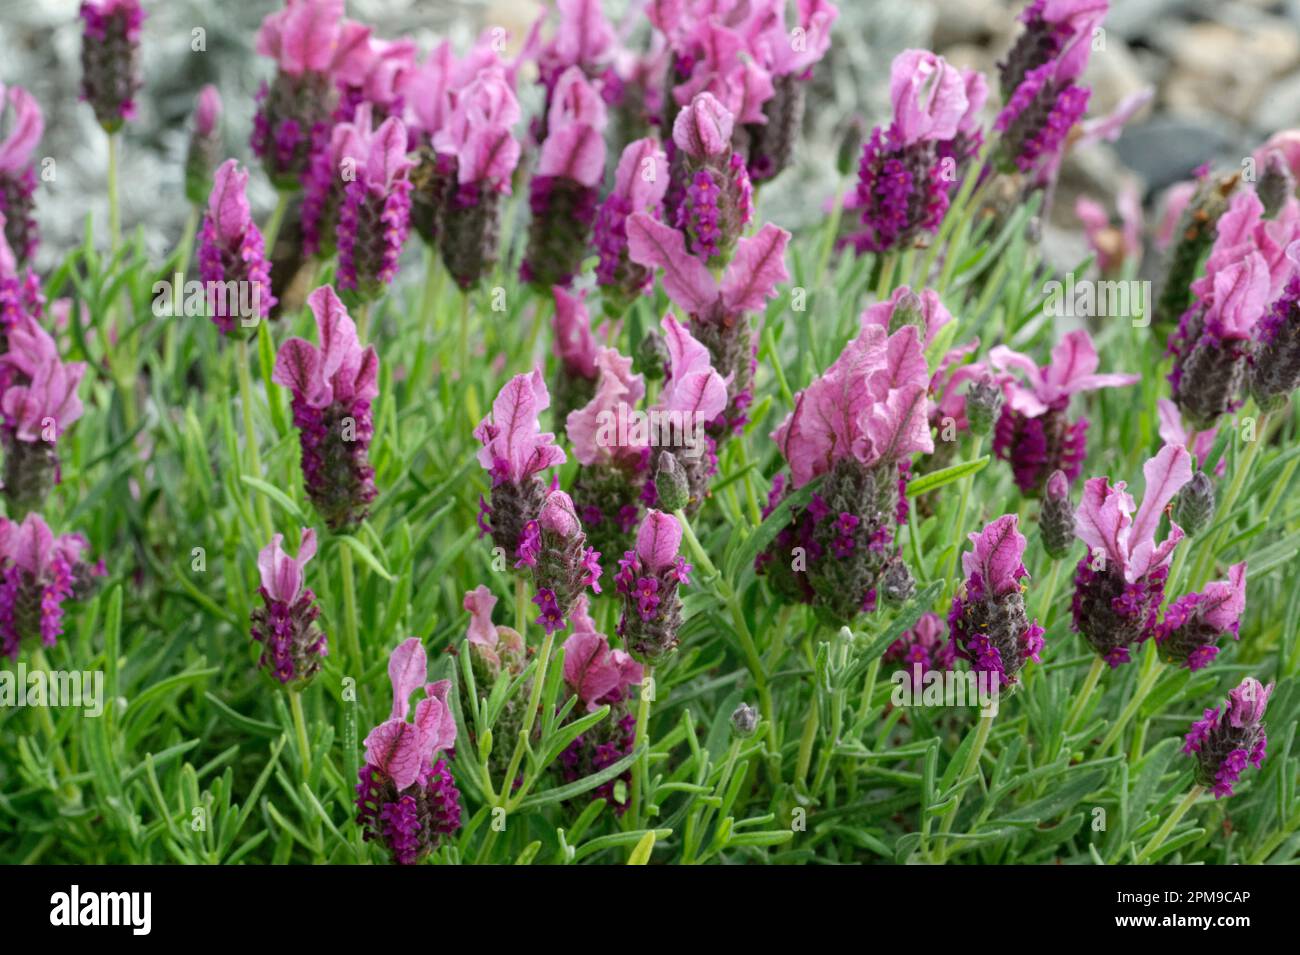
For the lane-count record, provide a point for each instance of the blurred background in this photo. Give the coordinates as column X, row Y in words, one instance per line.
column 1225, row 74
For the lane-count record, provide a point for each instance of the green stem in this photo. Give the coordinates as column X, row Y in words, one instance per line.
column 1145, row 684
column 983, row 726
column 463, row 349
column 640, row 770
column 530, row 717
column 1084, row 694
column 272, row 229
column 1049, row 594
column 363, row 320
column 250, row 434
column 1205, row 560
column 350, row 639
column 1174, row 818
column 114, row 206
column 300, row 727
column 886, row 281
column 828, row 237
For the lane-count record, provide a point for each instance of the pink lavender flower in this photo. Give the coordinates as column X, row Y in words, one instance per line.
column 21, row 296
column 648, row 579
column 555, row 548
column 110, row 59
column 1034, row 432
column 922, row 649
column 563, row 193
column 1194, row 623
column 903, row 187
column 717, row 309
column 376, row 77
column 599, row 676
column 1246, row 269
column 313, row 46
column 333, row 387
column 1120, row 583
column 712, row 201
column 39, row 402
column 18, row 172
column 232, row 258
column 492, row 648
column 515, row 452
column 584, row 38
column 1198, row 443
column 1275, row 365
column 39, row 573
column 639, row 184
column 205, row 147
column 989, row 625
column 406, row 796
column 293, row 645
column 855, row 428
column 1224, row 743
column 374, row 216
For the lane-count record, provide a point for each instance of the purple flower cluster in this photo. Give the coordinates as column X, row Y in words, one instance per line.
column 563, row 566
column 232, row 259
column 39, row 573
column 1226, row 742
column 110, row 59
column 293, row 645
column 648, row 579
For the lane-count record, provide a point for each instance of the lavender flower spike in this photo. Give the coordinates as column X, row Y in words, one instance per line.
column 333, row 387
column 563, row 566
column 110, row 59
column 1120, row 582
column 988, row 622
column 647, row 579
column 39, row 572
column 18, row 173
column 406, row 796
column 205, row 145
column 1225, row 743
column 1194, row 623
column 293, row 646
column 232, row 255
column 375, row 216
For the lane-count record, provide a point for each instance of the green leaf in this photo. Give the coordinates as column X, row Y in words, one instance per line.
column 937, row 479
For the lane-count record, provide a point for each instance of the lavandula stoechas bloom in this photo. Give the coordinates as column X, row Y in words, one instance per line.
column 1173, row 431
column 492, row 648
column 563, row 193
column 515, row 452
column 406, row 796
column 205, row 145
column 1188, row 230
column 333, row 387
column 18, row 172
column 609, row 487
column 375, row 214
column 600, row 676
column 716, row 200
column 989, row 625
column 293, row 645
column 232, row 257
column 576, row 350
column 718, row 310
column 110, row 59
column 1056, row 518
column 1194, row 623
column 1034, row 432
column 855, row 427
column 584, row 39
column 1275, row 364
column 312, row 45
column 648, row 579
column 1112, row 244
column 790, row 65
column 563, row 566
column 1225, row 743
column 639, row 184
column 39, row 572
column 921, row 649
column 21, row 297
column 376, row 77
column 903, row 186
column 1120, row 582
column 38, row 398
column 1246, row 269
column 476, row 156
column 1042, row 100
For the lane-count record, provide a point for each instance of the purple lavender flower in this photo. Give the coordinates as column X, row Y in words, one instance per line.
column 639, row 185
column 988, row 622
column 1034, row 432
column 1275, row 363
column 406, row 796
column 1224, row 743
column 515, row 452
column 21, row 297
column 18, row 174
column 563, row 566
column 648, row 579
column 1056, row 519
column 922, row 649
column 1120, row 583
column 39, row 573
column 232, row 258
column 293, row 646
column 205, row 144
column 713, row 201
column 375, row 214
column 333, row 387
column 110, row 59
column 1194, row 623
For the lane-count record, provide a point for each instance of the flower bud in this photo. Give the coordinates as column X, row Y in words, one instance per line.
column 983, row 405
column 908, row 310
column 1194, row 505
column 1276, row 184
column 651, row 355
column 1225, row 743
column 852, row 134
column 896, row 584
column 1056, row 519
column 744, row 720
column 671, row 484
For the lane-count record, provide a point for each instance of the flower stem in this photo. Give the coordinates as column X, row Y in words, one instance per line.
column 300, row 727
column 272, row 229
column 1174, row 818
column 886, row 281
column 641, row 768
column 1153, row 667
column 114, row 204
column 828, row 237
column 1049, row 594
column 250, row 434
column 530, row 717
column 983, row 726
column 1084, row 694
column 350, row 640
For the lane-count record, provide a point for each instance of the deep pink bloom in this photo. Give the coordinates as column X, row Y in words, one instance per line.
column 110, row 59
column 929, row 312
column 1172, row 431
column 18, row 173
column 639, row 185
column 293, row 646
column 928, row 95
column 574, row 344
column 333, row 387
column 596, row 673
column 648, row 578
column 231, row 251
column 617, row 386
column 1194, row 623
column 496, row 647
column 374, row 218
column 205, row 148
column 39, row 572
column 406, row 796
column 1225, row 743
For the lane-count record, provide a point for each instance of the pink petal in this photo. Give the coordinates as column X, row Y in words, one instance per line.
column 407, row 669
column 394, row 748
column 575, row 152
column 998, row 555
column 703, row 129
column 228, row 203
column 479, row 602
column 686, row 279
column 1225, row 600
column 642, row 174
column 756, row 269
column 587, row 666
column 658, row 540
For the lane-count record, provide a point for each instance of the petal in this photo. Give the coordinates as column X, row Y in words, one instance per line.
column 686, row 279
column 407, row 669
